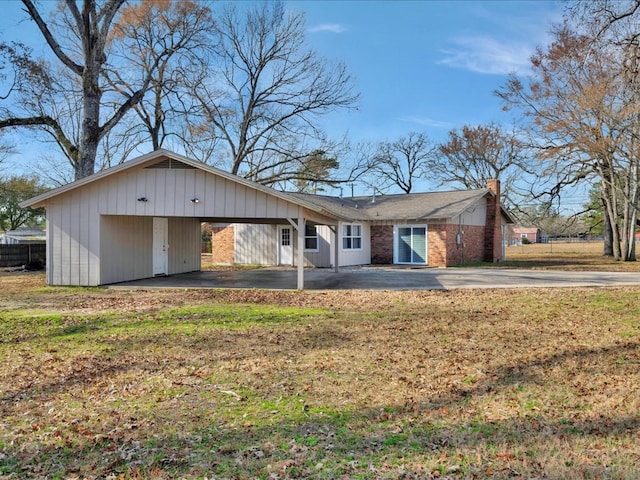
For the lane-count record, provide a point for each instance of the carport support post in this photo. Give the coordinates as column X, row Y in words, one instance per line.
column 334, row 231
column 301, row 228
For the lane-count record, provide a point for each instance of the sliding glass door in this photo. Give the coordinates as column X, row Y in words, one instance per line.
column 411, row 245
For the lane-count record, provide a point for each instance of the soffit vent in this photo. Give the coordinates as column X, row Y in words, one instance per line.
column 172, row 164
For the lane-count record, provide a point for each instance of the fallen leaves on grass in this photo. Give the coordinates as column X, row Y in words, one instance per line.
column 499, row 384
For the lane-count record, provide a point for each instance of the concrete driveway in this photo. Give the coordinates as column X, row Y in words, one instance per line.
column 387, row 278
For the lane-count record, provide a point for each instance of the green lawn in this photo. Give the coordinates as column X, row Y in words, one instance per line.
column 98, row 383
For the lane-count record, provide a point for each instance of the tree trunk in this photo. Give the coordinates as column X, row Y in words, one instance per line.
column 634, row 196
column 615, row 232
column 608, row 235
column 93, row 58
column 88, row 144
column 610, row 201
column 90, row 137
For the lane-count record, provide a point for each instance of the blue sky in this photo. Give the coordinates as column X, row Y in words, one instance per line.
column 427, row 66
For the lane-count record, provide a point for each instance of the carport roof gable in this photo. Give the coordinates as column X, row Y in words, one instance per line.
column 159, row 155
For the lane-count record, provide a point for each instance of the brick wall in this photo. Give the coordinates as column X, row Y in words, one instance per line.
column 478, row 243
column 223, row 244
column 382, row 244
column 437, row 244
column 493, row 234
column 443, row 249
column 471, row 248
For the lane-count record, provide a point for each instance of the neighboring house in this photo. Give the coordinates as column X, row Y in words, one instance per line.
column 531, row 234
column 22, row 236
column 23, row 247
column 142, row 218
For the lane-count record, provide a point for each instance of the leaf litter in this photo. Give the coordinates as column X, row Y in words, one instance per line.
column 491, row 384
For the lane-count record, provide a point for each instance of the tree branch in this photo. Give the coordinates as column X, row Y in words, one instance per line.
column 55, row 46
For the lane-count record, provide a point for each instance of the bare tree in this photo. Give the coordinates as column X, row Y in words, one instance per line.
column 91, row 25
column 547, row 218
column 584, row 111
column 475, row 154
column 607, row 20
column 79, row 36
column 170, row 43
column 263, row 99
column 403, row 162
column 6, row 149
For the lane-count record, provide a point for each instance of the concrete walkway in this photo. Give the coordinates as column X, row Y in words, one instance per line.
column 387, row 278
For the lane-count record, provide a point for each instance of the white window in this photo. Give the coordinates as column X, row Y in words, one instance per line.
column 310, row 238
column 285, row 237
column 351, row 236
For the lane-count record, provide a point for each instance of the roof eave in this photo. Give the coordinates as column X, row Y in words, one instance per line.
column 40, row 200
column 470, row 201
column 507, row 214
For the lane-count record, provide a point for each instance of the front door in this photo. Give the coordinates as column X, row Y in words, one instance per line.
column 160, row 246
column 285, row 246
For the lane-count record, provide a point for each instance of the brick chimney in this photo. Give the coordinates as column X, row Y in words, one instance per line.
column 493, row 225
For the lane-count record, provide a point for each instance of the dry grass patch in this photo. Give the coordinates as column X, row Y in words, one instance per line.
column 576, row 256
column 349, row 384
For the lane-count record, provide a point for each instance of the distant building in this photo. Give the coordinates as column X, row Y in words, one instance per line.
column 23, row 235
column 531, row 234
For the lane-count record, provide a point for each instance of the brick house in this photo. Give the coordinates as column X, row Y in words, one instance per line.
column 435, row 229
column 143, row 218
column 530, row 234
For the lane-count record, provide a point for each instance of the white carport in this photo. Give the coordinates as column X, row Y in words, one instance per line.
column 142, row 218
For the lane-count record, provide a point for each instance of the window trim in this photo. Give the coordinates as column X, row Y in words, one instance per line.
column 396, row 242
column 310, row 237
column 351, row 237
column 287, row 237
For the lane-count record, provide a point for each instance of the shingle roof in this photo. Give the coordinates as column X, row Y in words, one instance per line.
column 411, row 206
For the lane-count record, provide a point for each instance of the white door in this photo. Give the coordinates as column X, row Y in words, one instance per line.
column 160, row 246
column 285, row 246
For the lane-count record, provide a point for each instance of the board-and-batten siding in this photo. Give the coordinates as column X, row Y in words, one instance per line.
column 169, row 193
column 78, row 237
column 256, row 244
column 100, row 233
column 127, row 241
column 73, row 240
column 126, row 244
column 184, row 245
column 354, row 257
column 475, row 217
column 322, row 258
